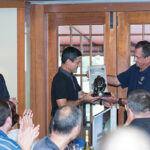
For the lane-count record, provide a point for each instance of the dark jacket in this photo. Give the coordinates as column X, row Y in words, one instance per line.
column 4, row 94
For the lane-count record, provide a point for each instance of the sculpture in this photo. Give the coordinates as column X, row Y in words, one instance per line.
column 99, row 87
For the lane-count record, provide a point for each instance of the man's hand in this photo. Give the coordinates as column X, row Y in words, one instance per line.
column 26, row 120
column 27, row 132
column 107, row 104
column 27, row 136
column 89, row 98
column 110, row 99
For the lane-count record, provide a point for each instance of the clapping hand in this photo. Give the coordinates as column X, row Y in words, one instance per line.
column 27, row 132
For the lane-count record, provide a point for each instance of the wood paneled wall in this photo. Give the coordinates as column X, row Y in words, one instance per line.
column 38, row 91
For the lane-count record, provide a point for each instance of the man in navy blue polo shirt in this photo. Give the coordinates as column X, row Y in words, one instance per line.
column 65, row 88
column 137, row 76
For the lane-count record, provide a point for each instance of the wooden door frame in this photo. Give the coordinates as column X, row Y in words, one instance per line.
column 20, row 51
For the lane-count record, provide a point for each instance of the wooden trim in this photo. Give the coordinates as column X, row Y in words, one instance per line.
column 123, row 55
column 46, row 67
column 52, row 58
column 21, row 59
column 97, row 7
column 72, row 18
column 12, row 4
column 37, row 70
column 138, row 17
column 110, row 49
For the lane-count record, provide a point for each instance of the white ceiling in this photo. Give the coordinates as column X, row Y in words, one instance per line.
column 83, row 1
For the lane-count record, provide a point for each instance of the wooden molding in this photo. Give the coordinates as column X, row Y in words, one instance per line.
column 12, row 4
column 21, row 59
column 97, row 7
column 37, row 70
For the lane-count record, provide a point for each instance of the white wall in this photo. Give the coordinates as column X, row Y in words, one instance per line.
column 8, row 48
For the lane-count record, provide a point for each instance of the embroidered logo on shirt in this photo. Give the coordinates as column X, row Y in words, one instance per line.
column 141, row 80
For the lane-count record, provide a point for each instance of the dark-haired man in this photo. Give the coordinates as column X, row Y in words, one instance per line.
column 137, row 76
column 138, row 110
column 65, row 88
column 27, row 132
column 5, row 126
column 66, row 127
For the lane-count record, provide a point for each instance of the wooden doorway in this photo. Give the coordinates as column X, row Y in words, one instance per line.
column 80, row 27
column 132, row 28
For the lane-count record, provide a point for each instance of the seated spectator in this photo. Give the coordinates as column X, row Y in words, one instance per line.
column 15, row 116
column 138, row 110
column 6, row 124
column 4, row 94
column 66, row 127
column 126, row 139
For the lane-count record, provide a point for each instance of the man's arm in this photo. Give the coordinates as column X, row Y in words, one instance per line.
column 62, row 102
column 112, row 80
column 83, row 97
column 114, row 100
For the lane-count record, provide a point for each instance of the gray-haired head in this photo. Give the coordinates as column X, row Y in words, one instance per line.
column 66, row 118
column 139, row 101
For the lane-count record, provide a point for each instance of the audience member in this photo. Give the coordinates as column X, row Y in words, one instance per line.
column 24, row 141
column 138, row 109
column 4, row 94
column 66, row 127
column 125, row 139
column 15, row 116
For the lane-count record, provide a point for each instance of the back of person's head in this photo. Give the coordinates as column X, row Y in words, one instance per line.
column 70, row 53
column 15, row 116
column 5, row 112
column 128, row 138
column 145, row 45
column 66, row 118
column 139, row 101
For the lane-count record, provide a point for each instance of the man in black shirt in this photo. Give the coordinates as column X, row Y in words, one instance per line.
column 65, row 88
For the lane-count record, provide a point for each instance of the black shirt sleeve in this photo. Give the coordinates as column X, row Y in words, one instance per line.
column 4, row 94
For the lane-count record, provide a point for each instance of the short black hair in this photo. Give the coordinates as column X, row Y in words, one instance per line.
column 5, row 112
column 139, row 101
column 70, row 53
column 145, row 45
column 66, row 118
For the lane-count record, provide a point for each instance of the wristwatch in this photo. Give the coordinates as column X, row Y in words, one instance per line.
column 120, row 101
